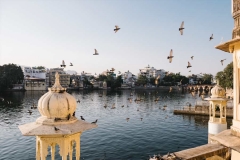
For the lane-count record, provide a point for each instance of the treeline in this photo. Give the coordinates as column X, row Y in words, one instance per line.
column 10, row 74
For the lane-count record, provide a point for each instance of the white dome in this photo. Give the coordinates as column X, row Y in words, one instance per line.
column 57, row 103
column 218, row 92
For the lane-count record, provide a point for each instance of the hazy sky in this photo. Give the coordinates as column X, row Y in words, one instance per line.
column 45, row 32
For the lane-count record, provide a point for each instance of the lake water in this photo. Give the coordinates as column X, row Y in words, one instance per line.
column 159, row 131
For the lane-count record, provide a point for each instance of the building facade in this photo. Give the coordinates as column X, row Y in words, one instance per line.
column 151, row 72
column 64, row 78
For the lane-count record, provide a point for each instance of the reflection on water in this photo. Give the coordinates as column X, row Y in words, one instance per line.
column 149, row 130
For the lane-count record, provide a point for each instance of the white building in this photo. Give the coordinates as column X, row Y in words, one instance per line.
column 33, row 72
column 151, row 72
column 128, row 79
column 34, row 78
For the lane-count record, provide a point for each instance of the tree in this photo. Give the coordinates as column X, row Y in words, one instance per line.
column 152, row 81
column 142, row 80
column 117, row 82
column 102, row 77
column 10, row 74
column 225, row 77
column 173, row 79
column 207, row 78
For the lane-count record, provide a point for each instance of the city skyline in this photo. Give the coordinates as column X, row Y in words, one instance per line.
column 44, row 33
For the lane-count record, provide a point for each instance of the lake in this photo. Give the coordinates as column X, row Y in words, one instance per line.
column 150, row 129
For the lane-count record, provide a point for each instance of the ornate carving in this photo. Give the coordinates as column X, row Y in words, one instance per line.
column 236, row 5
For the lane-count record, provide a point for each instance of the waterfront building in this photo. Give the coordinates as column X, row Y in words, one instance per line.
column 57, row 128
column 85, row 75
column 34, row 78
column 128, row 79
column 34, row 72
column 34, row 84
column 151, row 72
column 194, row 79
column 231, row 137
column 64, row 78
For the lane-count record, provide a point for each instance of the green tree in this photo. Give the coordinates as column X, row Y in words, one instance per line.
column 117, row 82
column 10, row 74
column 207, row 78
column 225, row 77
column 173, row 79
column 152, row 81
column 142, row 80
column 102, row 77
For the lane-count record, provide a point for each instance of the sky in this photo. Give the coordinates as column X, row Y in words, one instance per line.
column 45, row 32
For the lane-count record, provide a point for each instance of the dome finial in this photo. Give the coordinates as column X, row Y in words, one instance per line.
column 57, row 86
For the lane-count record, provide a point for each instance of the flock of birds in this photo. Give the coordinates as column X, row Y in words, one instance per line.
column 96, row 52
column 170, row 57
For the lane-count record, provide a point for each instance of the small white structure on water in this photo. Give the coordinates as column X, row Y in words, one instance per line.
column 57, row 124
column 218, row 104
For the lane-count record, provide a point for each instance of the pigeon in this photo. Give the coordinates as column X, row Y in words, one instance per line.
column 211, row 37
column 105, row 106
column 63, row 64
column 116, row 28
column 82, row 118
column 96, row 52
column 113, row 106
column 170, row 56
column 94, row 122
column 30, row 112
column 189, row 65
column 192, row 57
column 56, row 129
column 181, row 28
column 71, row 64
column 69, row 116
column 222, row 61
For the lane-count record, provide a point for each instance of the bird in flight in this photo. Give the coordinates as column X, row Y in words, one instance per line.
column 63, row 64
column 119, row 72
column 192, row 57
column 189, row 65
column 211, row 37
column 181, row 28
column 116, row 28
column 170, row 56
column 96, row 52
column 222, row 61
column 189, row 71
column 71, row 64
column 127, row 119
